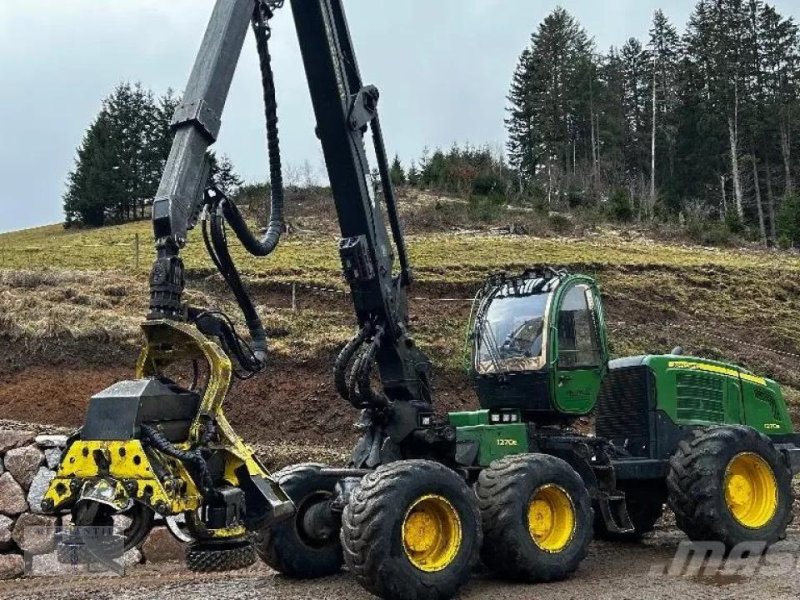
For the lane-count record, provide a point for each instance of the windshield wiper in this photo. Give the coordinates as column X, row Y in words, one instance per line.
column 491, row 342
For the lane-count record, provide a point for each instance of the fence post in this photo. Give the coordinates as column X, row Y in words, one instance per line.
column 136, row 251
column 294, row 297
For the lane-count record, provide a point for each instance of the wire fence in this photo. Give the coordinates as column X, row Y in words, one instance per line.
column 691, row 325
column 711, row 335
column 131, row 254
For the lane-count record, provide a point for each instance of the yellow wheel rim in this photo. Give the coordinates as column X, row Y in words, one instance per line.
column 431, row 533
column 751, row 492
column 551, row 518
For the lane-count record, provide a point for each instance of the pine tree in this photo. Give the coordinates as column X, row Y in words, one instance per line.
column 634, row 60
column 92, row 187
column 780, row 63
column 551, row 118
column 664, row 54
column 132, row 136
column 700, row 148
column 223, row 176
column 732, row 61
column 522, row 134
column 714, row 81
column 396, row 173
column 433, row 168
column 612, row 126
column 132, row 111
column 755, row 123
column 779, row 54
column 413, row 175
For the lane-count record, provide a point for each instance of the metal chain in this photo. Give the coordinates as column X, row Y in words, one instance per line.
column 266, row 10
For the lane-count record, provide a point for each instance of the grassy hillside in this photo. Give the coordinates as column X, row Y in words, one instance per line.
column 81, row 288
column 452, row 258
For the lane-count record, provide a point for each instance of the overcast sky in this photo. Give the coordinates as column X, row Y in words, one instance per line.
column 443, row 67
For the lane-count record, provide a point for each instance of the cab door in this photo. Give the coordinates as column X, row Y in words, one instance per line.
column 578, row 351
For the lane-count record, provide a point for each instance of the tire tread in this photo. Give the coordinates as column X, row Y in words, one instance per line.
column 695, row 487
column 499, row 489
column 363, row 527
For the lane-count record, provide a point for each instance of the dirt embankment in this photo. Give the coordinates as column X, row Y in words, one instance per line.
column 293, row 401
column 67, row 336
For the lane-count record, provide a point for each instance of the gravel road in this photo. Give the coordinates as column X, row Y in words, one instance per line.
column 612, row 571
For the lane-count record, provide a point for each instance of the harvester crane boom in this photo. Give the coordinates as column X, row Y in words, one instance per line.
column 196, row 126
column 345, row 109
column 372, row 247
column 397, row 420
column 183, row 192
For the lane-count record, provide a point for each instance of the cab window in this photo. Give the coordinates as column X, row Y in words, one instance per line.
column 578, row 338
column 512, row 335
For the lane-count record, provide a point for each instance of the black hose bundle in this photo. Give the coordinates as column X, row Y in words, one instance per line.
column 220, row 210
column 192, row 458
column 343, row 360
column 354, row 366
column 266, row 245
column 369, row 396
column 218, row 249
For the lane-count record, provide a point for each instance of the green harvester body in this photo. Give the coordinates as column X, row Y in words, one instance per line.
column 539, row 359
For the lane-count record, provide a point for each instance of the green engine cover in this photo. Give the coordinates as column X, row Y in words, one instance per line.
column 694, row 391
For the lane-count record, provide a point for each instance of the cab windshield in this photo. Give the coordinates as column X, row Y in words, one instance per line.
column 511, row 335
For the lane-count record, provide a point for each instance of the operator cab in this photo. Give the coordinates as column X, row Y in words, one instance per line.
column 538, row 345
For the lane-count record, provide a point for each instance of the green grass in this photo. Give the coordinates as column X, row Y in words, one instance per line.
column 436, row 258
column 739, row 305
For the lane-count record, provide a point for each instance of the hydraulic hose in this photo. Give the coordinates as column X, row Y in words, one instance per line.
column 222, row 210
column 353, row 392
column 156, row 440
column 359, row 387
column 231, row 275
column 343, row 360
column 267, row 244
column 368, row 395
column 391, row 200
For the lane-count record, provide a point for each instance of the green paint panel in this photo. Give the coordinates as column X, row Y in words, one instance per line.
column 579, row 365
column 468, row 418
column 496, row 441
column 576, row 391
column 765, row 408
column 695, row 391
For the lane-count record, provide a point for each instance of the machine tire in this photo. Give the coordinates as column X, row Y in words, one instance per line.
column 74, row 552
column 142, row 522
column 282, row 546
column 217, row 557
column 506, row 492
column 645, row 502
column 698, row 488
column 412, row 531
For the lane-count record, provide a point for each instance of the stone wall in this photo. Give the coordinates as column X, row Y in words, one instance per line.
column 28, row 463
